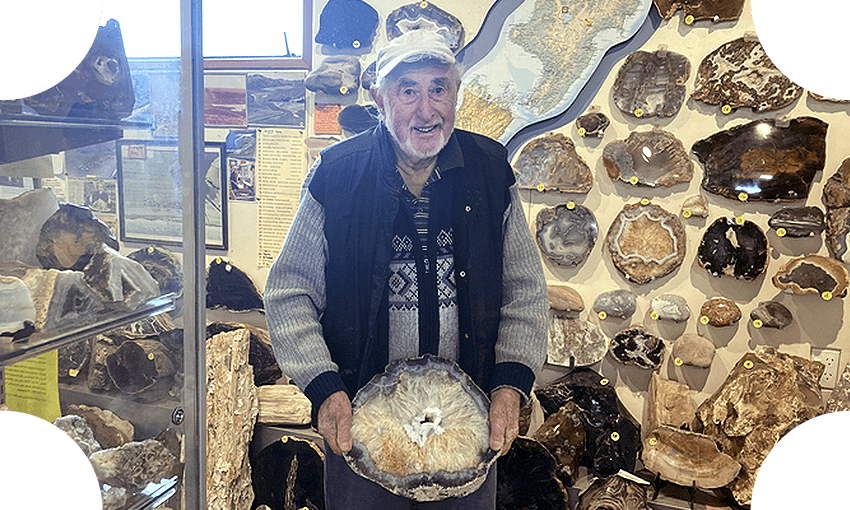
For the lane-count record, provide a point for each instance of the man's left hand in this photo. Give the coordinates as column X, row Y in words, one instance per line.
column 504, row 418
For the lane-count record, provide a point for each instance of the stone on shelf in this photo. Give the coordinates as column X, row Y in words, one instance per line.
column 163, row 266
column 109, row 430
column 592, row 124
column 18, row 309
column 135, row 464
column 425, row 15
column 78, row 430
column 563, row 435
column 137, row 365
column 283, row 404
column 838, row 232
column 74, row 362
column 23, row 217
column 61, row 298
column 696, row 205
column 261, row 356
column 718, row 10
column 121, row 283
column 720, row 312
column 231, row 288
column 565, row 300
column 635, row 345
column 620, row 303
column 70, row 237
column 551, row 162
column 347, row 24
column 612, row 492
column 813, row 274
column 772, row 314
column 694, row 350
column 527, row 477
column 337, row 75
column 836, row 189
column 288, row 474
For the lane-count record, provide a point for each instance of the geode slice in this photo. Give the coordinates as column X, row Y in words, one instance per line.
column 592, row 124
column 563, row 435
column 764, row 159
column 693, row 350
column 620, row 303
column 290, row 472
column 421, row 430
column 17, row 309
column 566, row 235
column 798, row 221
column 772, row 314
column 425, row 15
column 231, row 288
column 61, row 298
column 695, row 205
column 121, row 283
column 613, row 493
column 637, row 346
column 688, row 458
column 70, row 237
column 527, row 477
column 838, row 232
column 134, row 464
column 733, row 249
column 720, row 312
column 551, row 162
column 23, row 217
column 740, row 74
column 646, row 242
column 337, row 75
column 346, row 24
column 575, row 339
column 767, row 394
column 716, row 10
column 813, row 274
column 650, row 158
column 670, row 307
column 652, row 84
column 163, row 266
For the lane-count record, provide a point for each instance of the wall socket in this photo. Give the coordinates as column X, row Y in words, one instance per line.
column 830, row 358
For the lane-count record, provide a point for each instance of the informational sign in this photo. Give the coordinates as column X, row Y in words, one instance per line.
column 32, row 386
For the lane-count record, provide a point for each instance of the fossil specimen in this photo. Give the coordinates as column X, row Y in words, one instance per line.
column 23, row 217
column 565, row 301
column 283, row 404
column 651, row 84
column 527, row 477
column 345, row 24
column 688, row 458
column 425, row 15
column 764, row 159
column 289, row 470
column 670, row 307
column 592, row 124
column 836, row 189
column 650, row 158
column 668, row 403
column 646, row 242
column 719, row 312
column 563, row 435
column 163, row 266
column 715, row 10
column 17, row 309
column 772, row 314
column 733, row 248
column 578, row 339
column 231, row 288
column 695, row 205
column 740, row 74
column 337, row 75
column 620, row 303
column 70, row 237
column 637, row 346
column 566, row 235
column 551, row 161
column 693, row 350
column 813, row 274
column 798, row 221
column 134, row 465
column 613, row 493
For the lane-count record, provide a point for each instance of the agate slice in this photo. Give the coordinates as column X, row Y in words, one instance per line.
column 670, row 307
column 565, row 234
column 421, row 430
column 575, row 342
column 797, row 221
column 637, row 346
column 646, row 242
column 695, row 205
column 764, row 159
column 740, row 74
column 425, row 15
column 346, row 24
column 17, row 309
column 733, row 249
column 688, row 459
column 772, row 314
column 23, row 217
column 813, row 274
column 70, row 237
column 527, row 477
column 550, row 162
column 613, row 493
column 693, row 350
column 715, row 10
column 651, row 158
column 336, row 76
column 652, row 84
column 592, row 124
column 619, row 303
column 719, row 312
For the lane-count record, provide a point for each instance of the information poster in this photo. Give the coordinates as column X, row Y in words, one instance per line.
column 325, row 119
column 32, row 386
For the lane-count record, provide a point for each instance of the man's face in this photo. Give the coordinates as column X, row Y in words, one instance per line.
column 419, row 109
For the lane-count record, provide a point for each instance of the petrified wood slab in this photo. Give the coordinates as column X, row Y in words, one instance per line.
column 764, row 159
column 139, row 364
column 70, row 237
column 527, row 478
column 613, row 493
column 283, row 404
column 740, row 74
column 772, row 314
column 563, row 435
column 838, row 232
column 163, row 266
column 646, row 242
column 425, row 15
column 669, row 403
column 421, row 430
column 134, row 464
column 551, row 162
column 637, row 346
column 813, row 274
column 734, row 248
column 695, row 205
column 337, row 75
column 261, row 356
column 693, row 350
column 767, row 394
column 649, row 158
column 109, row 430
column 345, row 24
column 565, row 300
column 121, row 283
column 836, row 189
column 575, row 342
column 652, row 84
column 715, row 10
column 592, row 124
column 670, row 307
column 798, row 221
column 288, row 474
column 565, row 234
column 18, row 308
column 839, row 399
column 688, row 458
column 719, row 312
column 620, row 303
column 23, row 217
column 231, row 288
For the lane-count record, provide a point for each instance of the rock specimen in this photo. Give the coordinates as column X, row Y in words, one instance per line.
column 566, row 235
column 109, row 430
column 592, row 124
column 693, row 350
column 719, row 312
column 772, row 314
column 73, row 363
column 356, row 118
column 668, row 403
column 527, row 477
column 421, row 430
column 688, row 458
column 139, row 364
column 98, row 379
column 337, row 75
column 70, row 237
column 346, row 24
column 839, row 399
column 61, row 298
column 78, row 430
column 121, row 283
column 425, row 15
column 695, row 205
column 637, row 346
column 646, row 242
column 652, row 84
column 115, row 498
column 231, row 415
column 670, row 307
column 231, row 288
column 620, row 303
column 17, row 309
column 717, row 10
column 613, row 493
column 797, row 221
column 565, row 301
column 261, row 356
column 283, row 404
column 23, row 217
column 740, row 74
column 650, row 158
column 767, row 394
column 134, row 464
column 575, row 342
column 733, row 248
column 551, row 162
column 288, row 474
column 764, row 159
column 163, row 266
column 836, row 198
column 836, row 189
column 563, row 435
column 813, row 274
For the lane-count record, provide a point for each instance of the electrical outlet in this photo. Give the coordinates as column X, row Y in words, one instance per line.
column 830, row 358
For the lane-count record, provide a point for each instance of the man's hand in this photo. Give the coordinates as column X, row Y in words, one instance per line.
column 334, row 422
column 504, row 418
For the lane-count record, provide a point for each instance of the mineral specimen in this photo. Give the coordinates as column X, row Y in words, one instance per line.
column 688, row 458
column 73, row 363
column 575, row 339
column 719, row 312
column 716, row 10
column 772, row 314
column 798, row 221
column 121, row 283
column 337, row 75
column 566, row 235
column 613, row 493
column 261, row 356
column 668, row 403
column 98, row 379
column 650, row 158
column 619, row 303
column 163, row 266
column 839, row 399
column 527, row 477
column 836, row 198
column 670, row 307
column 565, row 301
column 592, row 124
column 17, row 309
column 563, row 435
column 23, row 217
column 369, row 76
column 646, row 242
column 695, row 205
column 551, row 162
column 134, row 464
column 138, row 364
column 288, row 474
column 652, row 84
column 767, row 394
column 231, row 288
column 70, row 237
column 421, row 430
column 425, row 15
column 109, row 430
column 836, row 189
column 694, row 350
column 740, row 74
column 346, row 24
column 734, row 248
column 78, row 430
column 283, row 404
column 813, row 274
column 61, row 298
column 764, row 159
column 637, row 346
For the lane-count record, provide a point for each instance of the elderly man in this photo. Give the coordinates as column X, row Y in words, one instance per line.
column 410, row 239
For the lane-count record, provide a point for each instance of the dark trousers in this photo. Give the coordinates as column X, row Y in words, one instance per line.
column 346, row 490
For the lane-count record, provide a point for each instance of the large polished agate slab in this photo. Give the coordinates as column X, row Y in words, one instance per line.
column 652, row 84
column 649, row 158
column 716, row 10
column 646, row 242
column 419, row 15
column 550, row 162
column 766, row 160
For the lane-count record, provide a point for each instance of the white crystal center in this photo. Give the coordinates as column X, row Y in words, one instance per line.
column 424, row 425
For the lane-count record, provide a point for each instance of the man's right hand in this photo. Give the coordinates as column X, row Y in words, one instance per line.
column 334, row 422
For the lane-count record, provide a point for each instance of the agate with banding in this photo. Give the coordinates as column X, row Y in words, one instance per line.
column 620, row 303
column 566, row 235
column 670, row 307
column 798, row 221
column 337, row 75
column 426, row 15
column 764, row 160
column 688, row 458
column 347, row 24
column 772, row 314
column 575, row 342
column 739, row 74
column 720, row 312
column 695, row 205
column 652, row 84
column 551, row 162
column 592, row 124
column 646, row 242
column 650, row 158
column 716, row 10
column 813, row 274
column 637, row 346
column 613, row 493
column 732, row 249
column 527, row 477
column 23, row 217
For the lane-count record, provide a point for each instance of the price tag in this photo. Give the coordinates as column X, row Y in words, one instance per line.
column 653, row 441
column 726, row 109
column 541, row 187
column 748, row 364
column 757, row 323
column 73, row 372
column 588, row 22
column 739, row 220
column 218, row 260
column 571, row 205
column 602, row 315
column 689, row 19
column 687, row 213
column 633, row 180
column 581, row 131
column 638, row 112
column 826, row 295
column 743, row 196
column 679, row 362
column 654, row 316
column 644, row 201
column 150, row 356
column 781, row 232
column 704, row 319
column 150, row 249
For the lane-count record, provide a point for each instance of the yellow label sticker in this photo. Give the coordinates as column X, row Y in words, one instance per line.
column 687, row 213
column 757, row 323
column 638, row 112
column 603, row 315
column 615, row 436
column 343, row 90
column 582, row 131
column 826, row 295
column 689, row 19
column 150, row 356
column 679, row 362
column 633, row 180
column 588, row 22
column 653, row 441
column 73, row 372
column 654, row 316
column 284, row 439
column 565, row 9
column 218, row 260
column 739, row 220
column 781, row 232
column 541, row 187
column 743, row 196
column 748, row 364
column 703, row 320
column 726, row 109
column 604, row 381
column 644, row 201
column 150, row 249
column 571, row 205
column 356, row 44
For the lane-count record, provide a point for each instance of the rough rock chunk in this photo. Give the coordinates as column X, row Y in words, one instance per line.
column 652, row 84
column 838, row 232
column 772, row 314
column 139, row 364
column 551, row 162
column 73, row 363
column 576, row 339
column 670, row 307
column 688, row 459
column 109, row 430
column 565, row 234
column 613, row 493
column 813, row 274
column 637, row 346
column 70, row 237
column 734, row 249
column 163, row 266
column 261, row 357
column 563, row 435
column 134, row 464
column 231, row 288
column 337, row 75
column 695, row 205
column 23, row 217
column 720, row 311
column 78, row 430
column 592, row 124
column 121, row 283
column 694, row 350
column 668, row 403
column 619, row 303
column 649, row 158
column 283, row 404
column 798, row 221
column 646, row 242
column 836, row 189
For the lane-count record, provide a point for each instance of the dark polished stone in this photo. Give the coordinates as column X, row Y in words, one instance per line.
column 772, row 315
column 838, row 231
column 637, row 346
column 288, row 474
column 798, row 221
column 337, row 75
column 593, row 124
column 716, row 10
column 813, row 274
column 652, row 84
column 650, row 158
column 70, row 237
column 231, row 288
column 164, row 266
column 728, row 248
column 347, row 24
column 527, row 479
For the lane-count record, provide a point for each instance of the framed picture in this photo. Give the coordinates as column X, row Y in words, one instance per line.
column 150, row 198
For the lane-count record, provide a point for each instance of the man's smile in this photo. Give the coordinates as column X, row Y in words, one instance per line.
column 426, row 129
